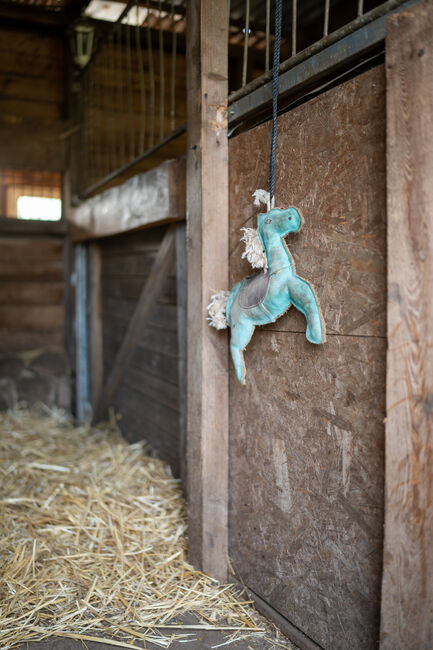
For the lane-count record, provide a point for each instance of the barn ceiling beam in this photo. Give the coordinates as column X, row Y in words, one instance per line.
column 37, row 15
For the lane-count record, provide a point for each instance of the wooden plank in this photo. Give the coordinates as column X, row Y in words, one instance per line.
column 162, row 200
column 81, row 331
column 24, row 227
column 19, row 340
column 40, row 317
column 135, row 425
column 156, row 364
column 207, row 209
column 181, row 323
column 131, row 288
column 31, row 293
column 162, row 265
column 151, row 338
column 25, row 249
column 163, row 316
column 32, row 270
column 407, row 591
column 95, row 324
column 162, row 391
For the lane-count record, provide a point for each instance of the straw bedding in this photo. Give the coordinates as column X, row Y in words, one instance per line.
column 93, row 542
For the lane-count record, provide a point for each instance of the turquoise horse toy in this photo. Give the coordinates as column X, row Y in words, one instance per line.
column 262, row 298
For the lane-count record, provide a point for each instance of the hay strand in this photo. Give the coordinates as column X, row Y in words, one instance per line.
column 93, row 543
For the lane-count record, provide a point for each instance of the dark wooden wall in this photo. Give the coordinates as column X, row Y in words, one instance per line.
column 32, row 99
column 33, row 362
column 307, row 432
column 147, row 398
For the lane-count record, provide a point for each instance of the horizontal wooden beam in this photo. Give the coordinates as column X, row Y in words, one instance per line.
column 153, row 198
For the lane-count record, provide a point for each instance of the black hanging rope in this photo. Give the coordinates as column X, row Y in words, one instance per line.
column 275, row 77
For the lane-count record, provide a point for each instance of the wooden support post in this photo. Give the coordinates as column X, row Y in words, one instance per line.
column 407, row 590
column 162, row 265
column 181, row 342
column 207, row 236
column 95, row 324
column 82, row 334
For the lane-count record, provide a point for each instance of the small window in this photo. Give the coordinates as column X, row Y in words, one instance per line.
column 39, row 207
column 30, row 195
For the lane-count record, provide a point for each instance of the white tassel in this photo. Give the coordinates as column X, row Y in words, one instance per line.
column 262, row 196
column 217, row 310
column 254, row 251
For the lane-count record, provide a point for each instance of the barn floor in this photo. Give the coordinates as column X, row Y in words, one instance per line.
column 93, row 544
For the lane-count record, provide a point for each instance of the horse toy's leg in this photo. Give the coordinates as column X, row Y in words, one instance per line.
column 303, row 296
column 241, row 333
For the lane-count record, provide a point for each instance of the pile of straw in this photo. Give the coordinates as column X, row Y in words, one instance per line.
column 93, row 543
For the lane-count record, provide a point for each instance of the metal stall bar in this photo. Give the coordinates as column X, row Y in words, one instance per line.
column 322, row 44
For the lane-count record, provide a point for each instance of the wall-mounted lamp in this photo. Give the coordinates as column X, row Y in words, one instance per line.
column 82, row 43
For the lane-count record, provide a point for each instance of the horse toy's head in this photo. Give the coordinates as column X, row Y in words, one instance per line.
column 279, row 221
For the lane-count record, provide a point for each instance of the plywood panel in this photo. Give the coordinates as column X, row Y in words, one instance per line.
column 307, row 483
column 331, row 165
column 307, row 432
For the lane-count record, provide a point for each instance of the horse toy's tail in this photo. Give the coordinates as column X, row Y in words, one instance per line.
column 256, row 256
column 217, row 310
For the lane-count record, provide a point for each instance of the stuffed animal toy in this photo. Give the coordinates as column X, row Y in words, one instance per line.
column 262, row 298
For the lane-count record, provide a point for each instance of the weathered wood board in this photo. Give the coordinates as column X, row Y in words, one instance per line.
column 149, row 199
column 31, row 292
column 307, row 432
column 407, row 591
column 32, row 99
column 147, row 398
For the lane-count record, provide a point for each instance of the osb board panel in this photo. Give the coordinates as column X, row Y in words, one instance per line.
column 147, row 399
column 331, row 165
column 306, row 487
column 307, row 433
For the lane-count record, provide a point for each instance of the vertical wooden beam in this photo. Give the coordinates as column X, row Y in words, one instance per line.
column 181, row 342
column 69, row 287
column 407, row 590
column 81, row 334
column 95, row 324
column 207, row 236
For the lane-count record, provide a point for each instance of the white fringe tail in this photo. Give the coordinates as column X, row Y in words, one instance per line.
column 254, row 251
column 217, row 310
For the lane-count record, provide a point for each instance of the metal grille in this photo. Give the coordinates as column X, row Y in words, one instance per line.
column 134, row 93
column 308, row 27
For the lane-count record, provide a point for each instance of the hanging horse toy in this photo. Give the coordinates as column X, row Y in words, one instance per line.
column 264, row 297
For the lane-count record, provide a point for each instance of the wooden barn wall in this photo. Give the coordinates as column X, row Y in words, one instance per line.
column 307, row 430
column 147, row 398
column 32, row 99
column 33, row 362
